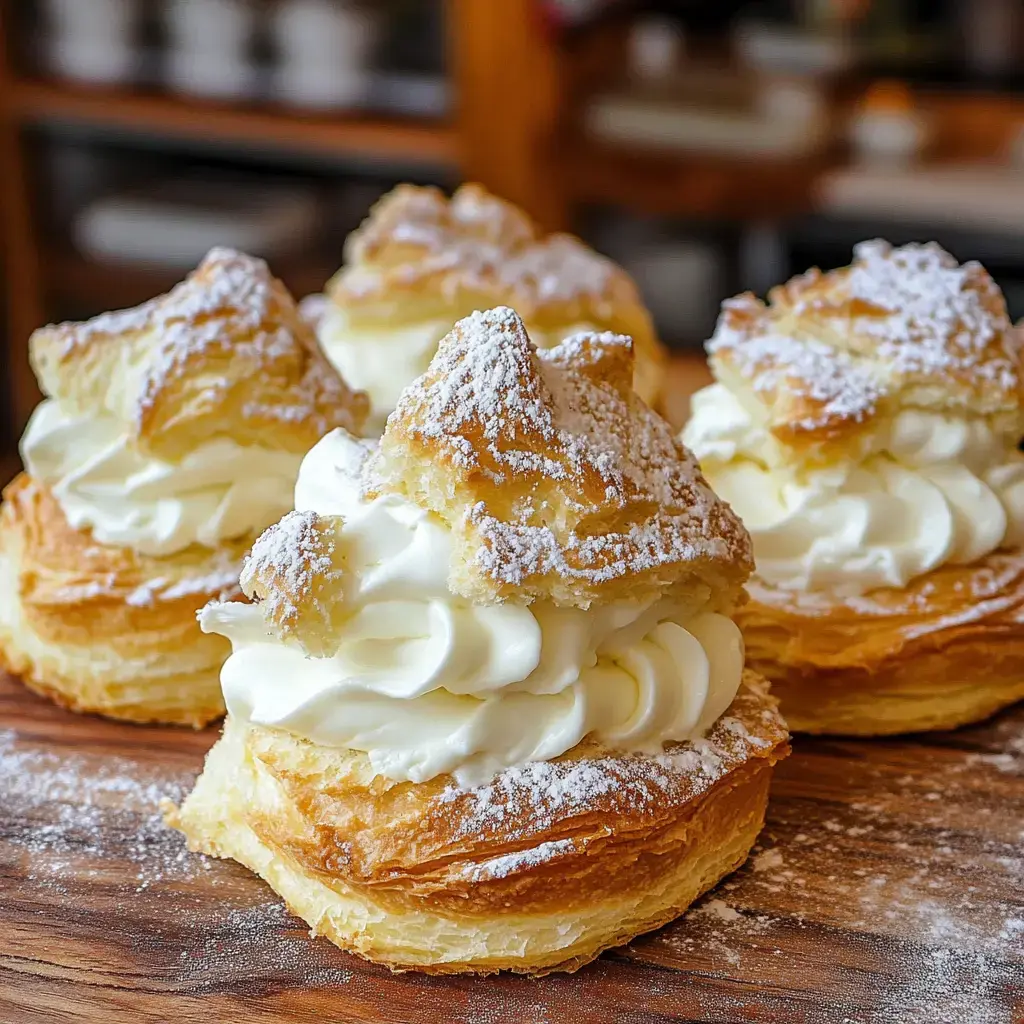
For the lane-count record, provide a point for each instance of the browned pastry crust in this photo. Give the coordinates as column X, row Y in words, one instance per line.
column 223, row 353
column 557, row 480
column 831, row 356
column 538, row 871
column 946, row 650
column 104, row 629
column 420, row 256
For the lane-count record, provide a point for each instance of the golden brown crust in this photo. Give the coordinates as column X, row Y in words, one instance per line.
column 224, row 353
column 945, row 651
column 830, row 354
column 295, row 572
column 420, row 256
column 105, row 629
column 432, row 877
column 556, row 479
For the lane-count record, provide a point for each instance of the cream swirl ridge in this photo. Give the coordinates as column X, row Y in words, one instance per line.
column 930, row 489
column 428, row 683
column 103, row 482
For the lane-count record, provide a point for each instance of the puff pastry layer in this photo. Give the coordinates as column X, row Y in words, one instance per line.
column 945, row 651
column 538, row 871
column 98, row 628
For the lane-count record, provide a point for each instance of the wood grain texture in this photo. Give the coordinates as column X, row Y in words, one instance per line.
column 887, row 888
column 507, row 78
column 273, row 128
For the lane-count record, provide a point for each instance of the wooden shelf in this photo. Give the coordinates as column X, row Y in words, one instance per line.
column 690, row 185
column 332, row 135
column 92, row 287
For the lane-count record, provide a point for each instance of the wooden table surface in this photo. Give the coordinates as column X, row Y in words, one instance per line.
column 887, row 888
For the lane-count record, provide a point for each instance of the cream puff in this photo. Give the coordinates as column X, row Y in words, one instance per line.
column 422, row 261
column 488, row 710
column 864, row 425
column 170, row 436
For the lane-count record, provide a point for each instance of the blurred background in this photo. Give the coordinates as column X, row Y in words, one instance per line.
column 708, row 147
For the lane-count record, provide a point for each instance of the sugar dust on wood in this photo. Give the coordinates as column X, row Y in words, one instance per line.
column 885, row 890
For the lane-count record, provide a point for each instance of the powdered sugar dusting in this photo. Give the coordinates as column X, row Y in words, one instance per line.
column 835, row 345
column 492, row 407
column 533, row 798
column 508, row 863
column 72, row 811
column 84, row 838
column 218, row 582
column 474, row 242
column 230, row 309
column 217, row 586
column 919, row 876
column 842, row 388
column 297, row 556
column 940, row 316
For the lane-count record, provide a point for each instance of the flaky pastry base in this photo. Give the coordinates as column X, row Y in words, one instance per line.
column 105, row 629
column 946, row 651
column 539, row 871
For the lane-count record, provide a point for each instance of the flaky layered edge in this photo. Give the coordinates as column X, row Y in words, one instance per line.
column 945, row 651
column 426, row 877
column 104, row 629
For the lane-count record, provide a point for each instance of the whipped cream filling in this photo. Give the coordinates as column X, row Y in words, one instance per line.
column 103, row 482
column 934, row 489
column 383, row 361
column 425, row 683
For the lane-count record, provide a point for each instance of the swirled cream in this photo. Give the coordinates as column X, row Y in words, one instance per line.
column 104, row 483
column 382, row 361
column 933, row 489
column 425, row 683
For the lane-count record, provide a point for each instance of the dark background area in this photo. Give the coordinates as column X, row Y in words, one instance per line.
column 708, row 148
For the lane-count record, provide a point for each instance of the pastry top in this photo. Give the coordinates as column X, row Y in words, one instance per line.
column 833, row 354
column 223, row 353
column 556, row 479
column 421, row 255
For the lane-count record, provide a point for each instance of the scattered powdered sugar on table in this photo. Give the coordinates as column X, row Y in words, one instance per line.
column 937, row 904
column 74, row 811
column 258, row 941
column 80, row 822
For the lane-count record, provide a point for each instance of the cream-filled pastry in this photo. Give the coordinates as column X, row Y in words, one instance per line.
column 170, row 436
column 864, row 425
column 422, row 261
column 489, row 651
